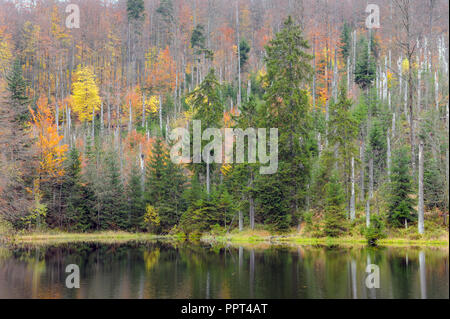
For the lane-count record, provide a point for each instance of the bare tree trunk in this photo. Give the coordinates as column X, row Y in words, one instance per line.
column 93, row 123
column 241, row 221
column 143, row 110
column 421, row 201
column 130, row 118
column 239, row 55
column 160, row 114
column 447, row 157
column 352, row 196
column 388, row 164
column 101, row 118
column 207, row 178
column 362, row 169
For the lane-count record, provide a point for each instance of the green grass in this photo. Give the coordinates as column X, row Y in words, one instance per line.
column 245, row 237
column 259, row 236
column 108, row 236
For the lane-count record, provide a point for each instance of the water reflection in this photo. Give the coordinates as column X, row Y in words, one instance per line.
column 168, row 270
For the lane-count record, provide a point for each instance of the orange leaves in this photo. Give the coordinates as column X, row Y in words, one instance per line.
column 51, row 153
column 161, row 71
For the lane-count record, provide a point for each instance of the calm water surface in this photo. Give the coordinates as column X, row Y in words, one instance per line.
column 167, row 270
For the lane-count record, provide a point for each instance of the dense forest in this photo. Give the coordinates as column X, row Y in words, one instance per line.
column 87, row 109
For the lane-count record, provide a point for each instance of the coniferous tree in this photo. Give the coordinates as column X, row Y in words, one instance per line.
column 136, row 207
column 334, row 208
column 112, row 204
column 345, row 40
column 17, row 88
column 244, row 49
column 287, row 108
column 365, row 66
column 400, row 204
column 78, row 194
column 164, row 186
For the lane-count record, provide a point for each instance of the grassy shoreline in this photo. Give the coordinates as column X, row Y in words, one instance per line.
column 245, row 237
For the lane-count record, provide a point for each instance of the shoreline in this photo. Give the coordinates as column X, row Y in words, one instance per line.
column 234, row 238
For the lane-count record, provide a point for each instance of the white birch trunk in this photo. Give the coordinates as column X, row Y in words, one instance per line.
column 421, row 200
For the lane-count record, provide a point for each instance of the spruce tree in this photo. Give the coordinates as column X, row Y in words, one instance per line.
column 365, row 66
column 136, row 207
column 334, row 208
column 287, row 108
column 78, row 194
column 345, row 42
column 17, row 87
column 113, row 205
column 164, row 186
column 400, row 204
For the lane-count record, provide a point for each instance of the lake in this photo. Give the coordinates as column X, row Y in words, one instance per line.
column 160, row 269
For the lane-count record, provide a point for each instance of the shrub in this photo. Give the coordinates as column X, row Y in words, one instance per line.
column 375, row 231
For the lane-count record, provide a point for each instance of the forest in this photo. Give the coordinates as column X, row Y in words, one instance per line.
column 90, row 92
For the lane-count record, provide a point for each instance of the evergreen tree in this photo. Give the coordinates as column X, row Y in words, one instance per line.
column 79, row 195
column 400, row 204
column 287, row 108
column 365, row 66
column 17, row 88
column 164, row 186
column 112, row 203
column 343, row 131
column 135, row 10
column 244, row 49
column 136, row 207
column 345, row 42
column 334, row 208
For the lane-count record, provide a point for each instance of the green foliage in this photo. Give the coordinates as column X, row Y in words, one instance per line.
column 287, row 108
column 345, row 42
column 112, row 205
column 166, row 11
column 244, row 50
column 400, row 203
column 136, row 208
column 151, row 219
column 375, row 231
column 36, row 219
column 215, row 209
column 272, row 206
column 135, row 10
column 164, row 186
column 365, row 66
column 335, row 219
column 17, row 87
column 78, row 195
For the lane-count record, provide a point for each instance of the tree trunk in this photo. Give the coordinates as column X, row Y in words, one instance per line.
column 352, row 196
column 421, row 201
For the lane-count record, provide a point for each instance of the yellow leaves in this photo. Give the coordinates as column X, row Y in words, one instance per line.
column 51, row 153
column 56, row 29
column 391, row 79
column 261, row 78
column 188, row 69
column 405, row 65
column 5, row 51
column 152, row 104
column 85, row 97
column 226, row 169
column 151, row 218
